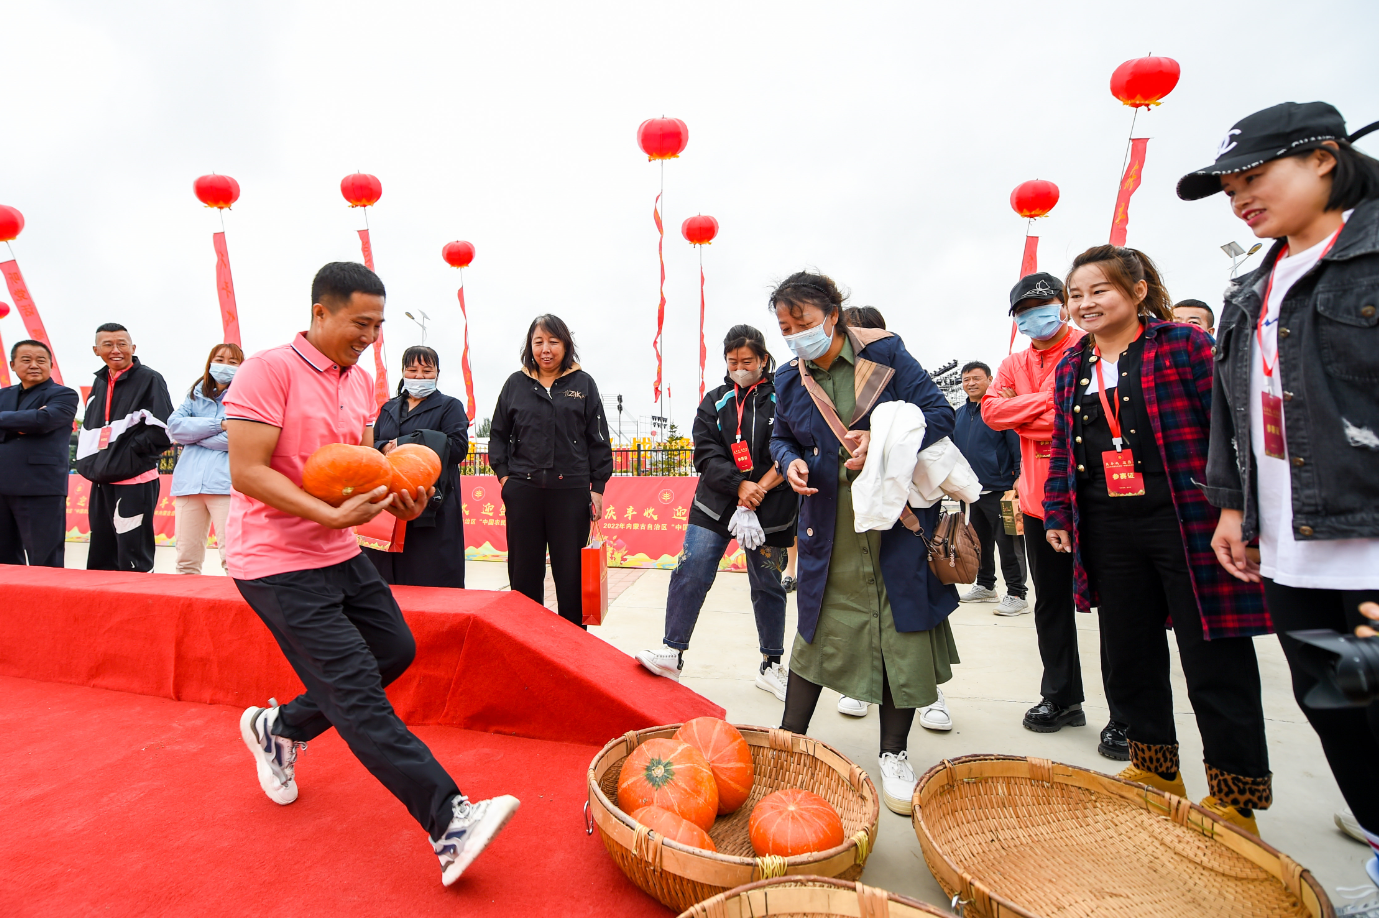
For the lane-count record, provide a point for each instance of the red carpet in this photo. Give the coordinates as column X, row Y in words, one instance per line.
column 128, row 791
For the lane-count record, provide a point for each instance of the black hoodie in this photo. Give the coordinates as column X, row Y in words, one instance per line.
column 142, row 404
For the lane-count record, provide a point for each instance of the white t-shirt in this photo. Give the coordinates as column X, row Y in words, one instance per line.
column 1340, row 564
column 1110, row 371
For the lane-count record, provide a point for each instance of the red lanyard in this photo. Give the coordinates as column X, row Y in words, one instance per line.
column 1264, row 308
column 1112, row 417
column 741, row 405
column 110, row 391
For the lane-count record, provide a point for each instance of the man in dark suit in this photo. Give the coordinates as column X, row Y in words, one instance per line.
column 35, row 434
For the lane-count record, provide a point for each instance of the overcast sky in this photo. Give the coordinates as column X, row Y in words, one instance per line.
column 878, row 143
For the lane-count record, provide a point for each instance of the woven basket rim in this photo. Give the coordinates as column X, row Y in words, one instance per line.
column 917, row 819
column 809, row 879
column 867, row 790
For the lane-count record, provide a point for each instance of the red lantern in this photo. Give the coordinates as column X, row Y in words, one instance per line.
column 1144, row 81
column 1034, row 198
column 11, row 223
column 219, row 191
column 361, row 189
column 4, row 310
column 699, row 230
column 662, row 138
column 458, row 254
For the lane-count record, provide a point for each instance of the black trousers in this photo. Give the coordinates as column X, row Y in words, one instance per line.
column 991, row 533
column 345, row 637
column 541, row 519
column 1139, row 568
column 121, row 518
column 1350, row 736
column 33, row 529
column 1055, row 619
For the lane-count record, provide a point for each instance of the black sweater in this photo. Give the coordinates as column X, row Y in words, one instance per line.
column 556, row 439
column 715, row 430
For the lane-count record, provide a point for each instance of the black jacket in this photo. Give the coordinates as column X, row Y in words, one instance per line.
column 441, row 413
column 35, row 438
column 557, row 439
column 137, row 449
column 1328, row 374
column 993, row 454
column 715, row 430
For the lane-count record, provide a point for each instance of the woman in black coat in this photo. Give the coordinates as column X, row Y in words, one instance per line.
column 433, row 552
column 549, row 448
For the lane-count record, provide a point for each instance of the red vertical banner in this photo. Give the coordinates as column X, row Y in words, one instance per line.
column 225, row 289
column 380, row 369
column 19, row 292
column 1030, row 262
column 464, row 360
column 660, row 310
column 1128, row 183
column 4, row 366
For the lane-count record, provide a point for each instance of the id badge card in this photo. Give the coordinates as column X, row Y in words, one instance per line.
column 1043, row 449
column 742, row 456
column 104, row 440
column 1272, row 408
column 1121, row 478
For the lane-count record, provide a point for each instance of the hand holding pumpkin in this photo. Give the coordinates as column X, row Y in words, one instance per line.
column 354, row 478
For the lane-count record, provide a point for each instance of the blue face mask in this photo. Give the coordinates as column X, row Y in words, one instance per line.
column 223, row 372
column 810, row 343
column 419, row 388
column 1041, row 322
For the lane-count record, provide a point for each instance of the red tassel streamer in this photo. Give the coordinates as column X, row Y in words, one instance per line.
column 19, row 292
column 1120, row 223
column 4, row 368
column 464, row 357
column 660, row 310
column 380, row 369
column 225, row 290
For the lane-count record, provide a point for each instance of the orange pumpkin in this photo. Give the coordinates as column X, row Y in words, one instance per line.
column 672, row 775
column 414, row 466
column 728, row 755
column 794, row 821
column 337, row 471
column 673, row 827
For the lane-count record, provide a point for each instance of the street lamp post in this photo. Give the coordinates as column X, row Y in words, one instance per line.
column 1238, row 255
column 421, row 323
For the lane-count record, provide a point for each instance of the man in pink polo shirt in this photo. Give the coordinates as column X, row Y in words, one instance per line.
column 297, row 563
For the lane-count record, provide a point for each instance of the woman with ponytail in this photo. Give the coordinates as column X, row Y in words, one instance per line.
column 1132, row 423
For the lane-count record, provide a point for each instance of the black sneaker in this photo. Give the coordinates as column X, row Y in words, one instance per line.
column 1047, row 717
column 788, row 584
column 1114, row 743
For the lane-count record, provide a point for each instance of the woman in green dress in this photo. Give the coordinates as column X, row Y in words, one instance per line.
column 873, row 621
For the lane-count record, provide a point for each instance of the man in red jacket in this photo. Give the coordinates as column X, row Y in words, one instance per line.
column 1021, row 399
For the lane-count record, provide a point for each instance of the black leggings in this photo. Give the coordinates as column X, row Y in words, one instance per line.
column 539, row 519
column 802, row 696
column 1350, row 736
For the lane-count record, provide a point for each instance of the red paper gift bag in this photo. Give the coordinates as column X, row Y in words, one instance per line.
column 593, row 564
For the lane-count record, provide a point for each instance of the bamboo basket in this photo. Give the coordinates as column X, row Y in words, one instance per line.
column 810, row 897
column 679, row 876
column 1028, row 837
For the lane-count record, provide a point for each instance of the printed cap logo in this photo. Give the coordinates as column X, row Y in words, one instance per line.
column 1227, row 144
column 1041, row 290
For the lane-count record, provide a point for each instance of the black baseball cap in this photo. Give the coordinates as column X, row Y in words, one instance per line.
column 1043, row 286
column 1279, row 130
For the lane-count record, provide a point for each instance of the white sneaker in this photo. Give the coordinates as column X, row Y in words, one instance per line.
column 852, row 707
column 1347, row 823
column 897, row 782
column 274, row 757
column 936, row 716
column 979, row 594
column 1011, row 605
column 471, row 829
column 664, row 662
column 772, row 678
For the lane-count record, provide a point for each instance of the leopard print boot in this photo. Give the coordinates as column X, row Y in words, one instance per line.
column 1155, row 766
column 1235, row 797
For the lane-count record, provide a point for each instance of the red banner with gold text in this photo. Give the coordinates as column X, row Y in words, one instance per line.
column 1129, row 182
column 380, row 369
column 19, row 292
column 644, row 520
column 225, row 289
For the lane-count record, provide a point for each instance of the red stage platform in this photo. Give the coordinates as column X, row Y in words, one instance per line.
column 128, row 791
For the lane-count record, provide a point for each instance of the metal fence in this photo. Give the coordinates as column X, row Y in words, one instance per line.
column 629, row 460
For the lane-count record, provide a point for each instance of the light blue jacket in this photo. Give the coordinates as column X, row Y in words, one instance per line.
column 204, row 466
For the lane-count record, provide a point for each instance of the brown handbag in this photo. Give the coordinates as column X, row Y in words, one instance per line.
column 954, row 552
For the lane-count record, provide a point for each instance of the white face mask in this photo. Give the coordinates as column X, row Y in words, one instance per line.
column 744, row 378
column 811, row 343
column 419, row 388
column 223, row 372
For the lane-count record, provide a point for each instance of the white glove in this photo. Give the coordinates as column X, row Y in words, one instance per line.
column 746, row 528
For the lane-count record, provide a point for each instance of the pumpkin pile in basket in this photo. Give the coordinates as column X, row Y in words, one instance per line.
column 785, row 804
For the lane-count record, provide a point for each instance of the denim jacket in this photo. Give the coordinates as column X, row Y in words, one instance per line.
column 204, row 466
column 1328, row 366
